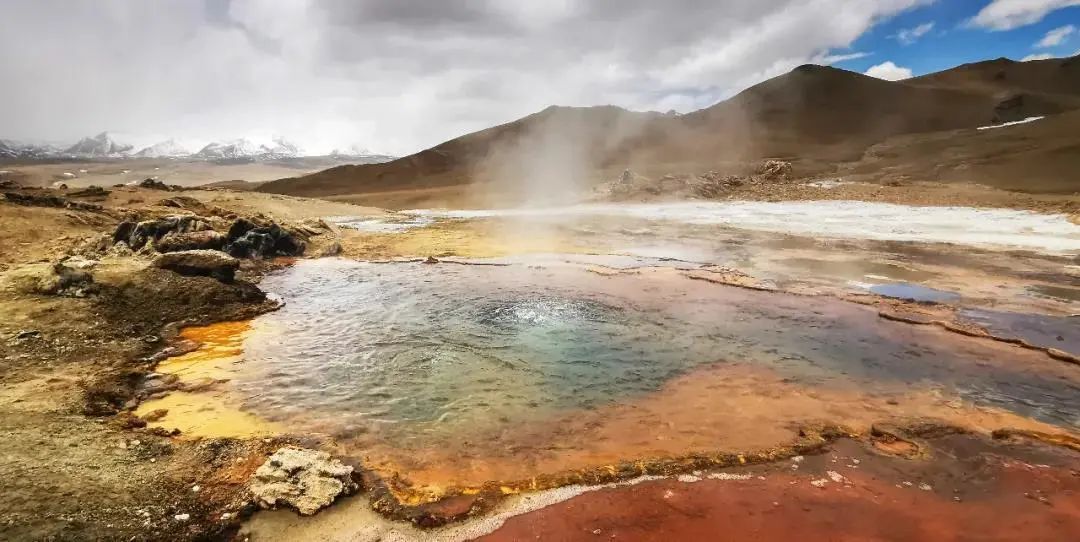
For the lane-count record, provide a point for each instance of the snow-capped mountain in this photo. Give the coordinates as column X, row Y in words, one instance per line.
column 100, row 145
column 104, row 146
column 283, row 148
column 165, row 149
column 7, row 150
column 247, row 149
column 237, row 148
column 14, row 150
column 361, row 155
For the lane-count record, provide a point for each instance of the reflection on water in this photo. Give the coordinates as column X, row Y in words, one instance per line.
column 1063, row 293
column 912, row 292
column 429, row 354
column 1060, row 332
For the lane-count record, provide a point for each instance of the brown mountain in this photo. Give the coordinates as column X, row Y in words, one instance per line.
column 1022, row 89
column 818, row 117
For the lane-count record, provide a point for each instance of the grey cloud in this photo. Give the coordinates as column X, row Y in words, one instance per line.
column 391, row 75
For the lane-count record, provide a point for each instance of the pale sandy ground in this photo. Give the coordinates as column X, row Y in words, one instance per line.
column 178, row 172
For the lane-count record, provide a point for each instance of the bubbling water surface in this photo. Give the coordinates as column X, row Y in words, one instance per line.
column 425, row 355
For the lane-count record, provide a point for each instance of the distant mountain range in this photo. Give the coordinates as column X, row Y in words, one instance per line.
column 104, row 146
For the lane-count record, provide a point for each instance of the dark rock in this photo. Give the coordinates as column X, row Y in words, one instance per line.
column 239, row 228
column 89, row 192
column 209, row 263
column 252, row 244
column 196, row 240
column 123, row 232
column 246, row 240
column 28, row 334
column 154, row 184
column 182, row 202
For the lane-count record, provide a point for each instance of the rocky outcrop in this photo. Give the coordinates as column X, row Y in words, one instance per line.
column 138, row 234
column 709, row 185
column 196, row 240
column 209, row 263
column 774, row 169
column 248, row 240
column 307, row 480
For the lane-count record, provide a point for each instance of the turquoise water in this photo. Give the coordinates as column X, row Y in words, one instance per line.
column 453, row 349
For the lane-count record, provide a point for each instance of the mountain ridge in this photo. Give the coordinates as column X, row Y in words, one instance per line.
column 814, row 116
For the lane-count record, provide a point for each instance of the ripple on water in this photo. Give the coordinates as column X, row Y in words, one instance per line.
column 430, row 353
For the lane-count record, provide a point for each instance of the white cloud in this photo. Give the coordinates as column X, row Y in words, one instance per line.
column 1039, row 56
column 392, row 75
column 908, row 36
column 889, row 71
column 1009, row 14
column 1056, row 36
column 835, row 58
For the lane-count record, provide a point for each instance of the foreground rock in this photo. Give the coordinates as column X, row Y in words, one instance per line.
column 195, row 240
column 209, row 263
column 306, row 480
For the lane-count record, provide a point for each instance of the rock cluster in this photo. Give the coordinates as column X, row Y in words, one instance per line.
column 711, row 184
column 307, row 480
column 137, row 234
column 188, row 244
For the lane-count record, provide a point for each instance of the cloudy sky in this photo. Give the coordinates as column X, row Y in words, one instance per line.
column 397, row 76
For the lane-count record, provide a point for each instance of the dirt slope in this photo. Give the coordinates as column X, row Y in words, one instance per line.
column 815, row 116
column 1037, row 157
column 1022, row 89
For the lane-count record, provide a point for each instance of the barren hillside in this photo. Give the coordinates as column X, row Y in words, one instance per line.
column 817, row 117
